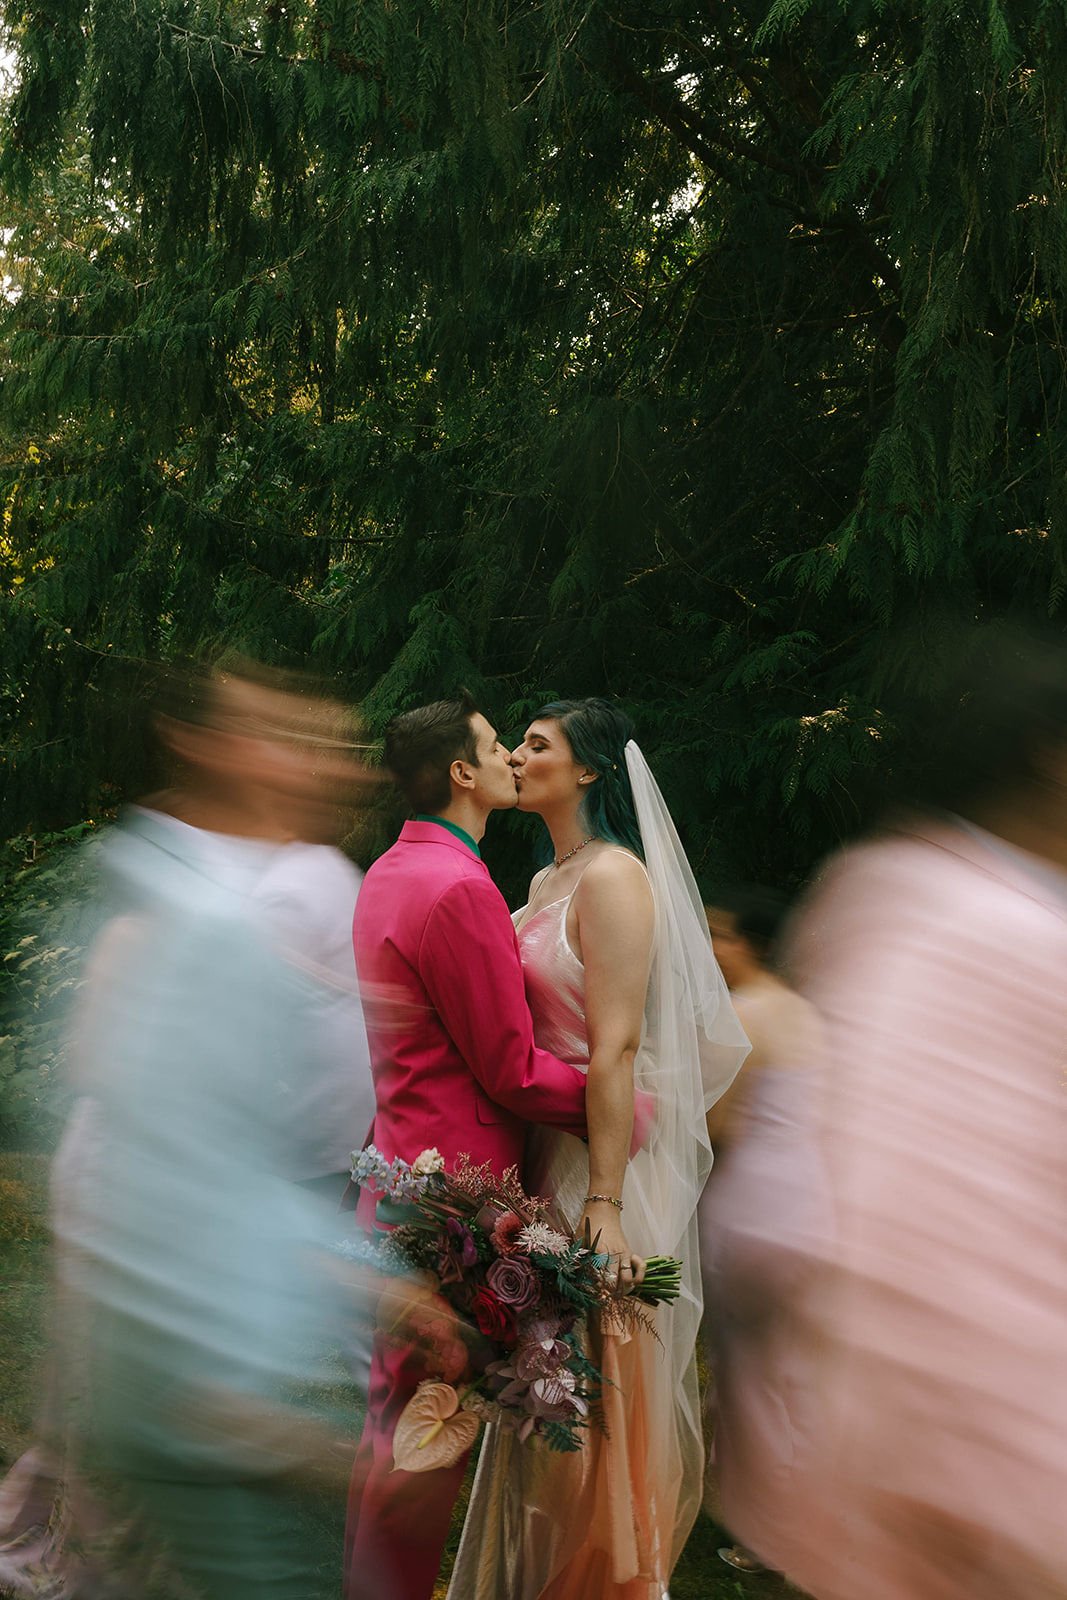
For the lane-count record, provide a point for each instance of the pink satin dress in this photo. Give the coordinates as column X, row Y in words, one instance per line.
column 764, row 1218
column 603, row 1523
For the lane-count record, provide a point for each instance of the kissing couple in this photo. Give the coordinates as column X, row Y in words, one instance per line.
column 528, row 1042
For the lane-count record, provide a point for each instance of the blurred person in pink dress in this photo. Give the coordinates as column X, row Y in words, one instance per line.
column 762, row 1214
column 936, row 955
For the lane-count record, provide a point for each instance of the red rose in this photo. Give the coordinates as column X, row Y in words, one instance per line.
column 494, row 1319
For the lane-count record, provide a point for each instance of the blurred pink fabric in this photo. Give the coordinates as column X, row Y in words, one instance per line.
column 938, row 1323
column 764, row 1218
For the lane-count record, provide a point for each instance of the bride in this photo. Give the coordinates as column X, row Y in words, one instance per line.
column 622, row 982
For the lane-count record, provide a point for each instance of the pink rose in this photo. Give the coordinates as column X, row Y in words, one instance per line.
column 514, row 1282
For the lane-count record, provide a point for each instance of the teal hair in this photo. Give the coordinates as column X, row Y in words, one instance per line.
column 597, row 733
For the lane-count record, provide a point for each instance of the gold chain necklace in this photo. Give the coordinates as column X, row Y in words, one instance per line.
column 559, row 860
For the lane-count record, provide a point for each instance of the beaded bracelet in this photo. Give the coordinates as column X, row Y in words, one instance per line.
column 609, row 1198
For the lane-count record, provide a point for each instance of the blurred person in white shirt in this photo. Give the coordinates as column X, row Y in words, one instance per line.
column 218, row 1054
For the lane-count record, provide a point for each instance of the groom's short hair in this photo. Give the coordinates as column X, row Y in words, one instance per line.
column 421, row 745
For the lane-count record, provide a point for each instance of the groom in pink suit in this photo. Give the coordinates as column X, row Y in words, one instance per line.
column 455, row 1067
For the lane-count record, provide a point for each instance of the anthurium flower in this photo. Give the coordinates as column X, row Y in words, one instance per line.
column 432, row 1431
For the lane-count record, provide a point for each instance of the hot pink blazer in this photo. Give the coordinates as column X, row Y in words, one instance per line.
column 451, row 1041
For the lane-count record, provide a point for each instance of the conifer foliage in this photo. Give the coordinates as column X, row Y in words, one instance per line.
column 673, row 349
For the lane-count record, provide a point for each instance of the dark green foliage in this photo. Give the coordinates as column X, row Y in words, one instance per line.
column 42, row 949
column 669, row 350
column 557, row 1437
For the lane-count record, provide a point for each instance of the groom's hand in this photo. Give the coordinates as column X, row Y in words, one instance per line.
column 644, row 1117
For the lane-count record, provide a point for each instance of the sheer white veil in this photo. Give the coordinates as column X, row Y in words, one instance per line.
column 692, row 1048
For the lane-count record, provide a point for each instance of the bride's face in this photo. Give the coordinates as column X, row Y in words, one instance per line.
column 546, row 773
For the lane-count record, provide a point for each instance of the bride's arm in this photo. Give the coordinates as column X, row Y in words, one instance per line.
column 615, row 914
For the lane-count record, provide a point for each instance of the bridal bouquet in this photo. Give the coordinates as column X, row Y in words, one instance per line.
column 507, row 1297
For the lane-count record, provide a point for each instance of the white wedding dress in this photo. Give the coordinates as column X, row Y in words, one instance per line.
column 608, row 1522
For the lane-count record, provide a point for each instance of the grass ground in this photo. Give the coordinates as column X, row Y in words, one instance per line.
column 23, row 1273
column 23, row 1264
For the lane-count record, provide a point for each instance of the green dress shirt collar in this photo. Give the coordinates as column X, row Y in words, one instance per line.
column 461, row 833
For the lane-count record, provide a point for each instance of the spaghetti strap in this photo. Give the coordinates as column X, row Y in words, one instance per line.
column 521, row 920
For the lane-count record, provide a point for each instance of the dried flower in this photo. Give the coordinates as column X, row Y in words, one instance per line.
column 541, row 1240
column 393, row 1179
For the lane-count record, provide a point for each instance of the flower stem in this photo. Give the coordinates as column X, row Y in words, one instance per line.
column 662, row 1281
